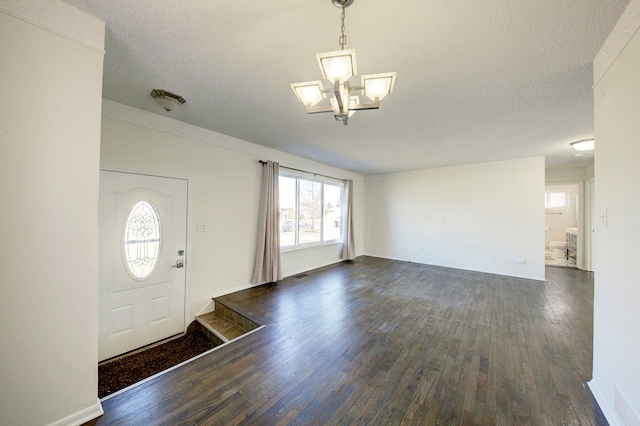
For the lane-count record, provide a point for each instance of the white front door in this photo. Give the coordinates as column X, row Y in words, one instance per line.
column 143, row 228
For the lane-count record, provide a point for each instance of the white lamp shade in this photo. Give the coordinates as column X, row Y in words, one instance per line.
column 378, row 85
column 165, row 103
column 166, row 99
column 339, row 64
column 309, row 93
column 585, row 145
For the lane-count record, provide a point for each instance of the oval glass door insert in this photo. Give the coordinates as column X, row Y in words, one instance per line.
column 142, row 240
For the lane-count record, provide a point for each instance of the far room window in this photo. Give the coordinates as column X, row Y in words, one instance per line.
column 310, row 212
column 556, row 199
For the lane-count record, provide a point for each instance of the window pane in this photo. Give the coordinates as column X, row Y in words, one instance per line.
column 141, row 240
column 309, row 215
column 556, row 199
column 332, row 212
column 287, row 189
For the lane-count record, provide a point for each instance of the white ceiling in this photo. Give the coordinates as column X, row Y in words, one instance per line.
column 477, row 81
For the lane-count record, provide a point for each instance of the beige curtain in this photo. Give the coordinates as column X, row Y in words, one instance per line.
column 348, row 245
column 267, row 268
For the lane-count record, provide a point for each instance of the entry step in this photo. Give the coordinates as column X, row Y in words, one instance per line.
column 225, row 323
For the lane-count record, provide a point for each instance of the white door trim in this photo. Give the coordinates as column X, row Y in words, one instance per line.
column 589, row 224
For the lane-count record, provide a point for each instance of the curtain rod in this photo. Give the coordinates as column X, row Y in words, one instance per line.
column 305, row 171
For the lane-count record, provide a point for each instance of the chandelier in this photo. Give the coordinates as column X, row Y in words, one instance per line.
column 338, row 67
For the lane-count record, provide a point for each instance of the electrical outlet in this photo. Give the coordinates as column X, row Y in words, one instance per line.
column 202, row 227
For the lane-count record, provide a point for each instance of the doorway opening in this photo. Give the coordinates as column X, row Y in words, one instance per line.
column 562, row 224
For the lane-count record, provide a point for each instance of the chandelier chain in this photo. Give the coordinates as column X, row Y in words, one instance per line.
column 343, row 38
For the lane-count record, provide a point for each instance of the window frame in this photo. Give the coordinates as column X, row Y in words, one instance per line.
column 298, row 177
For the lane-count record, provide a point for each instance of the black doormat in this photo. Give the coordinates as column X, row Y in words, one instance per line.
column 120, row 373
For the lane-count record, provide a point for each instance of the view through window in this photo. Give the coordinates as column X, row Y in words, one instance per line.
column 310, row 211
column 556, row 199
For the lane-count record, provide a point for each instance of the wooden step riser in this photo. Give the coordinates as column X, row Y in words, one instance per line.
column 224, row 324
column 211, row 333
column 241, row 321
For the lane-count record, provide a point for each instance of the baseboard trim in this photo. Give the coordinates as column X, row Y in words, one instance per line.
column 209, row 307
column 611, row 415
column 232, row 290
column 82, row 416
column 303, row 270
column 248, row 286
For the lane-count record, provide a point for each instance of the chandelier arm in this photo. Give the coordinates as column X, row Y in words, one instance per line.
column 319, row 110
column 359, row 107
column 362, row 107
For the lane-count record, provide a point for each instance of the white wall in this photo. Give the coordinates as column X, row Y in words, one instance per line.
column 51, row 81
column 477, row 217
column 579, row 174
column 616, row 352
column 224, row 184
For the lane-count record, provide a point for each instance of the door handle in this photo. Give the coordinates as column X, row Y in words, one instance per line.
column 179, row 264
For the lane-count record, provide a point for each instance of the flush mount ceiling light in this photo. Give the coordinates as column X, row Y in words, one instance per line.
column 584, row 145
column 167, row 100
column 338, row 67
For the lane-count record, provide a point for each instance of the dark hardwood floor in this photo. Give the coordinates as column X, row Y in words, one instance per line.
column 376, row 341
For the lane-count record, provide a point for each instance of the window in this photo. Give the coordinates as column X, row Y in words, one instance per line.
column 556, row 199
column 141, row 243
column 310, row 212
column 287, row 191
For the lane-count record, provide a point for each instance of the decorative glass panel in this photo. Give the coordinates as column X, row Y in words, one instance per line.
column 142, row 240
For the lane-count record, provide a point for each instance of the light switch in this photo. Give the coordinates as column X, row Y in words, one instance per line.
column 603, row 218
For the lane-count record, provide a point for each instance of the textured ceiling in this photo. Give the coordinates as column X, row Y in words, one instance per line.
column 477, row 81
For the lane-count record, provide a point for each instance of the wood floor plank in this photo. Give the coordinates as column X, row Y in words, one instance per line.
column 378, row 341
